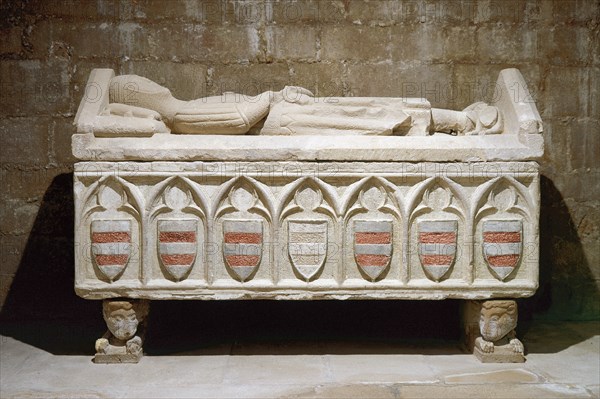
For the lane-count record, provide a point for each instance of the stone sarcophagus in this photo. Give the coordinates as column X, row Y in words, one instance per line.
column 289, row 196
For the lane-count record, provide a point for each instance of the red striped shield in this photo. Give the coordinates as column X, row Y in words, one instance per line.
column 373, row 246
column 437, row 246
column 177, row 245
column 502, row 245
column 111, row 246
column 242, row 247
column 307, row 246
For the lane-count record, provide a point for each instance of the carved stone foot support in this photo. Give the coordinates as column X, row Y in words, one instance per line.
column 126, row 322
column 489, row 328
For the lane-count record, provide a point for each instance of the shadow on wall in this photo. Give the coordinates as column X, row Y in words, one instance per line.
column 42, row 309
column 43, row 285
column 567, row 288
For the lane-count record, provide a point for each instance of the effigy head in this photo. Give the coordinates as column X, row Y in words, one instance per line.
column 497, row 319
column 123, row 317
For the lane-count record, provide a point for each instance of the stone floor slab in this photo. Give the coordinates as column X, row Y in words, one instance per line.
column 275, row 370
column 352, row 391
column 495, row 391
column 581, row 367
column 181, row 371
column 381, row 369
column 567, row 367
column 448, row 365
column 513, row 376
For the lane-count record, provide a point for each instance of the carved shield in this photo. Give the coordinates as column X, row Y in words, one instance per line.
column 373, row 246
column 177, row 245
column 111, row 246
column 437, row 246
column 502, row 245
column 307, row 246
column 242, row 246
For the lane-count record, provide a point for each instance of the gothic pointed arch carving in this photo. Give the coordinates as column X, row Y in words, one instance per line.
column 504, row 194
column 437, row 212
column 326, row 200
column 307, row 220
column 243, row 227
column 178, row 193
column 502, row 223
column 354, row 198
column 437, row 193
column 178, row 216
column 372, row 217
column 245, row 193
column 112, row 213
column 99, row 197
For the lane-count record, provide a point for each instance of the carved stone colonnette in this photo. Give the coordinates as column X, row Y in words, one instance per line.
column 190, row 216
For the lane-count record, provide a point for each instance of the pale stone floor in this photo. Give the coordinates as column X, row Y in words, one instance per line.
column 563, row 361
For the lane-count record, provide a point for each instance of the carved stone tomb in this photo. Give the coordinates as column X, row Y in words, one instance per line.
column 337, row 198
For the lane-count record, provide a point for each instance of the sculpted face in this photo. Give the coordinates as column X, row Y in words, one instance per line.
column 122, row 323
column 123, row 318
column 498, row 318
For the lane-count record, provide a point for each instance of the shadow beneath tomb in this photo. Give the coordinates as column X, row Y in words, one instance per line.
column 42, row 309
column 303, row 327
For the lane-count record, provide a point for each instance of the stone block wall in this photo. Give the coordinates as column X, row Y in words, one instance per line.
column 448, row 51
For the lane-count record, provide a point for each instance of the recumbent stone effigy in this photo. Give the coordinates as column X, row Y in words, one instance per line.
column 314, row 198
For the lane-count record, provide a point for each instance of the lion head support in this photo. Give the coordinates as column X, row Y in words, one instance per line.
column 123, row 317
column 498, row 318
